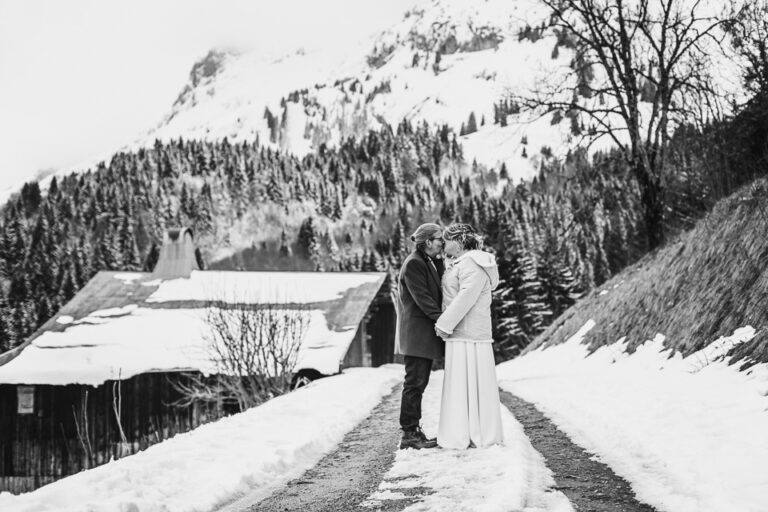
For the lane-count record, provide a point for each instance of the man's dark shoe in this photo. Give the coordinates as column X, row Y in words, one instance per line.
column 417, row 440
column 424, row 437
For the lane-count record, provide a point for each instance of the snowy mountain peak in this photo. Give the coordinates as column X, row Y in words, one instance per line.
column 448, row 27
column 208, row 66
column 446, row 62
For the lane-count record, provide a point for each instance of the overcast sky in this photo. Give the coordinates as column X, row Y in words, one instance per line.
column 79, row 78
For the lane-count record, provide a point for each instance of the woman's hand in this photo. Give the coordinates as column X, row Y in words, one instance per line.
column 441, row 333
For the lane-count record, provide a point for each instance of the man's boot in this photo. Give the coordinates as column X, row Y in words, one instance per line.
column 424, row 437
column 417, row 440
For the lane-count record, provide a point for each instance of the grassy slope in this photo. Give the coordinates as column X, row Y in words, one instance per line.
column 704, row 284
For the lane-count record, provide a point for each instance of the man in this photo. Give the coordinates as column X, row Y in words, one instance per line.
column 420, row 305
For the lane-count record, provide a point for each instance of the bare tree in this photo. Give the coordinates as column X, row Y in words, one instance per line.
column 117, row 409
column 83, row 433
column 254, row 348
column 640, row 67
column 749, row 30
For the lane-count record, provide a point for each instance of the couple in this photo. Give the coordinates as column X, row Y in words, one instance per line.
column 448, row 311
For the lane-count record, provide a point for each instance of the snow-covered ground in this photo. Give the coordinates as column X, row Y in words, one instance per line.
column 252, row 452
column 688, row 434
column 511, row 476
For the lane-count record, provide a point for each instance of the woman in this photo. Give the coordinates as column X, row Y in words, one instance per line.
column 470, row 409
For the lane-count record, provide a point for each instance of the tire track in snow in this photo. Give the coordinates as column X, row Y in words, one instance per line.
column 588, row 484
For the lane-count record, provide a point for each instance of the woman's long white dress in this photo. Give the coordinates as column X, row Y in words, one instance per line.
column 470, row 408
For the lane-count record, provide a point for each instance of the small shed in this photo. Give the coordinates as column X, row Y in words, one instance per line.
column 95, row 382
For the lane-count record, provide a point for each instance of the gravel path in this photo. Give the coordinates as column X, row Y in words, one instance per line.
column 588, row 484
column 344, row 478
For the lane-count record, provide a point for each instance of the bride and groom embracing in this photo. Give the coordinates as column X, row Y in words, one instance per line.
column 445, row 309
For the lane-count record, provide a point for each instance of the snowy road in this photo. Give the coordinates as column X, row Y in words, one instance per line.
column 344, row 477
column 538, row 469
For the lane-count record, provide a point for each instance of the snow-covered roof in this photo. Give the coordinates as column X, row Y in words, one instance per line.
column 124, row 324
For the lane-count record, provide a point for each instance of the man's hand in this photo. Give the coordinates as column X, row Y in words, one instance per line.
column 441, row 333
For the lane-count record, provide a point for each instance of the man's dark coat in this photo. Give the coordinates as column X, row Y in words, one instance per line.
column 420, row 301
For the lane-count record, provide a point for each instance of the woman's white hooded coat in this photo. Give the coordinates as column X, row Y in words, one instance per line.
column 467, row 286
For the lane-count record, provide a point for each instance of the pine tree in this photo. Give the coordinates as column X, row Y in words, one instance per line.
column 204, row 221
column 508, row 307
column 404, row 217
column 337, row 206
column 316, row 257
column 331, row 246
column 307, row 241
column 166, row 168
column 69, row 284
column 83, row 262
column 559, row 284
column 23, row 320
column 53, row 189
column 44, row 310
column 187, row 203
column 365, row 262
column 19, row 289
column 108, row 255
column 471, row 124
column 285, row 249
column 356, row 264
column 31, row 197
column 129, row 249
column 7, row 331
column 275, row 189
column 510, row 334
column 399, row 249
column 535, row 310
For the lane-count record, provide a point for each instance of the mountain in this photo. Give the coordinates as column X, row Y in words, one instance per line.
column 447, row 61
column 326, row 159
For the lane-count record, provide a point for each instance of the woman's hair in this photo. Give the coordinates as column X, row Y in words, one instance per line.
column 465, row 235
column 424, row 233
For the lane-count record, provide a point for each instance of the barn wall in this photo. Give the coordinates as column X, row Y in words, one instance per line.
column 381, row 334
column 75, row 427
column 358, row 353
column 374, row 341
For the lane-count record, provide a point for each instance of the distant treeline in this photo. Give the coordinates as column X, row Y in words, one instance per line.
column 352, row 208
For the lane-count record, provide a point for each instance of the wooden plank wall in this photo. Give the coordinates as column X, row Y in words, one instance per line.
column 38, row 448
column 381, row 331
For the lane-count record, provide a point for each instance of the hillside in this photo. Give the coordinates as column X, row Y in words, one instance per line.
column 705, row 284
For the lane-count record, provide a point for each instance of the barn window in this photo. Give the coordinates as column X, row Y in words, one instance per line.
column 26, row 399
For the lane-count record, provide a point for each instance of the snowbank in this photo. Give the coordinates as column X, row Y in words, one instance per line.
column 687, row 433
column 248, row 453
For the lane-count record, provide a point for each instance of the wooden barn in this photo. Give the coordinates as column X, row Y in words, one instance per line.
column 96, row 381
